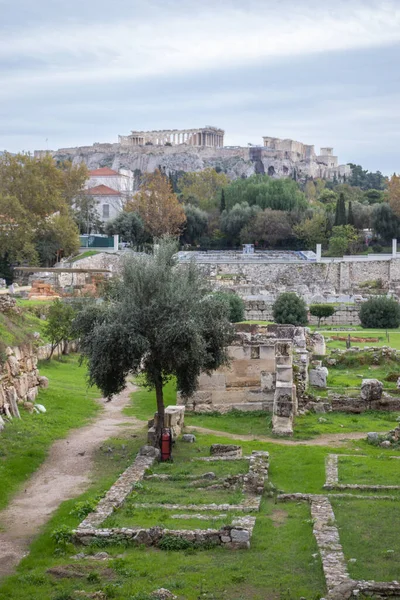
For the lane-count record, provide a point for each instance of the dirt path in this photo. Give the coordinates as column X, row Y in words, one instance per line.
column 64, row 474
column 326, row 439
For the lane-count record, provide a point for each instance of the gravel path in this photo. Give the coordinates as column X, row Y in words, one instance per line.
column 65, row 474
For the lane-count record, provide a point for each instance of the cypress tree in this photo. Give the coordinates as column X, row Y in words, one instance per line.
column 222, row 205
column 350, row 215
column 340, row 214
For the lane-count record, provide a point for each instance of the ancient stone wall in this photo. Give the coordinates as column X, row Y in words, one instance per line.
column 261, row 310
column 19, row 380
column 260, row 376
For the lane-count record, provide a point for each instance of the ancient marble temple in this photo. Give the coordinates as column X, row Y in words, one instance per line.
column 211, row 137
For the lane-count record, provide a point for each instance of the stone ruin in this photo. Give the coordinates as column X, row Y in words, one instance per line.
column 261, row 375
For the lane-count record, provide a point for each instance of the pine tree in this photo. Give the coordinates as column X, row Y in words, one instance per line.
column 222, row 205
column 350, row 215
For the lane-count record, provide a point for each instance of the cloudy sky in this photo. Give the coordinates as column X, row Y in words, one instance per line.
column 325, row 73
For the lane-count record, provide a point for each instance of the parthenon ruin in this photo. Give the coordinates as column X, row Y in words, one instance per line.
column 211, row 137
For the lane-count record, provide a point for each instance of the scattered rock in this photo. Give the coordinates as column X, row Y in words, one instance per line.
column 318, row 377
column 40, row 408
column 372, row 437
column 150, row 451
column 322, row 420
column 231, row 450
column 371, row 389
column 385, row 444
column 209, row 475
column 163, row 594
column 43, row 381
column 189, row 437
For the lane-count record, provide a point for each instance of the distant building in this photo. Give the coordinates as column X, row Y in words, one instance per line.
column 111, row 189
column 211, row 137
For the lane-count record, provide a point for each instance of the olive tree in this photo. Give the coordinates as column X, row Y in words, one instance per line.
column 162, row 321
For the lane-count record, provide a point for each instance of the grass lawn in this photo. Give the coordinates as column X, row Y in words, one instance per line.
column 280, row 563
column 85, row 255
column 379, row 470
column 151, row 517
column 259, row 423
column 369, row 533
column 393, row 334
column 24, row 442
column 19, row 329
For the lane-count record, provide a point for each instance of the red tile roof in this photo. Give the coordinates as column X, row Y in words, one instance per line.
column 103, row 172
column 102, row 190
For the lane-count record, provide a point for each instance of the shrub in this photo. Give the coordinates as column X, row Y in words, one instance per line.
column 290, row 309
column 236, row 305
column 322, row 311
column 380, row 312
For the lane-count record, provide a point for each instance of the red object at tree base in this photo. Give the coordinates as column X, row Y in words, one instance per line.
column 166, row 444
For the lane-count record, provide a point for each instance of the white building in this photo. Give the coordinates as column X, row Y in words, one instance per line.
column 121, row 181
column 111, row 189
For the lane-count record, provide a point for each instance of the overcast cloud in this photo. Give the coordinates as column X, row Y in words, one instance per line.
column 74, row 73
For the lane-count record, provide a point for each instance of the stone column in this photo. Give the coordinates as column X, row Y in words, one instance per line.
column 285, row 400
column 319, row 251
column 394, row 248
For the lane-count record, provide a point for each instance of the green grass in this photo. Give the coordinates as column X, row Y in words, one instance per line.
column 158, row 517
column 280, row 563
column 259, row 423
column 393, row 342
column 25, row 442
column 378, row 470
column 19, row 329
column 369, row 532
column 85, row 255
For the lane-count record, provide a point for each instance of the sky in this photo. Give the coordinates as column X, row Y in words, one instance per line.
column 324, row 73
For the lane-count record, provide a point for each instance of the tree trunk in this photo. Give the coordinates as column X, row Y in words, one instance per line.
column 160, row 411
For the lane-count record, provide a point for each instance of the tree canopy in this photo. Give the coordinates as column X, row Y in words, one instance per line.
column 265, row 192
column 162, row 321
column 203, row 188
column 158, row 206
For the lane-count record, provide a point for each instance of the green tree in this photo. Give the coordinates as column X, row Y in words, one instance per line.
column 290, row 309
column 265, row 192
column 58, row 327
column 313, row 231
column 340, row 214
column 129, row 226
column 203, row 188
column 321, row 311
column 384, row 222
column 365, row 180
column 86, row 214
column 222, row 204
column 233, row 221
column 342, row 240
column 58, row 235
column 350, row 215
column 195, row 226
column 162, row 322
column 268, row 227
column 327, row 196
column 380, row 313
column 235, row 305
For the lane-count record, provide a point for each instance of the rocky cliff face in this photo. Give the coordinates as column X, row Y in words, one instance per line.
column 235, row 162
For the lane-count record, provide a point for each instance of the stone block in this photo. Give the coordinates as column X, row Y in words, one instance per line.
column 240, row 535
column 214, row 381
column 43, row 381
column 226, row 450
column 13, row 366
column 32, row 394
column 188, row 437
column 372, row 437
column 267, row 381
column 318, row 377
column 371, row 390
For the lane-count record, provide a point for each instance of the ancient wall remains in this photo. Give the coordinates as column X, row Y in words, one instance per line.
column 261, row 310
column 260, row 376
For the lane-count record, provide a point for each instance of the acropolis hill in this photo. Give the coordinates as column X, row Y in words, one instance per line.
column 196, row 149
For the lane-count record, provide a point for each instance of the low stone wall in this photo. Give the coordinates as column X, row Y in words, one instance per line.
column 19, row 380
column 237, row 535
column 261, row 310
